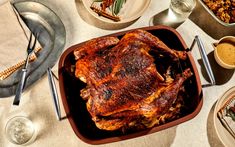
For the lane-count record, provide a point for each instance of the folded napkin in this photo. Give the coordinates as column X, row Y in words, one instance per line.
column 14, row 36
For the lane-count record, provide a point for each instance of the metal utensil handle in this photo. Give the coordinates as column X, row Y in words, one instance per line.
column 204, row 59
column 54, row 94
column 20, row 87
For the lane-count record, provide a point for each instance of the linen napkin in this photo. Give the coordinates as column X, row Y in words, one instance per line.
column 14, row 36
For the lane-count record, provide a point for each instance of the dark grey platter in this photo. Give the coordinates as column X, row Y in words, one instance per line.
column 43, row 21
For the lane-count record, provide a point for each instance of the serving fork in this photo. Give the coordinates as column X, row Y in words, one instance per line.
column 20, row 87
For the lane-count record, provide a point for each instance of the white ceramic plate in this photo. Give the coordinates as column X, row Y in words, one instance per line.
column 131, row 10
column 222, row 133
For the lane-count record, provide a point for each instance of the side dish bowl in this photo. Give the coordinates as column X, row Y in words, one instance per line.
column 75, row 106
column 228, row 52
column 225, row 137
column 131, row 10
column 215, row 17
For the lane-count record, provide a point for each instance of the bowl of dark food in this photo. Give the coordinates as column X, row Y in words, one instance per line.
column 223, row 11
column 129, row 84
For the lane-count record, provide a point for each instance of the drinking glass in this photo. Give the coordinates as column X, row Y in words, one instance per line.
column 180, row 10
column 20, row 130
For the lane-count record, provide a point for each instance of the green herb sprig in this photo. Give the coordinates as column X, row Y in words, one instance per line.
column 117, row 6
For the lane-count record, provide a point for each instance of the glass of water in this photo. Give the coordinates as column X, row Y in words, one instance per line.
column 181, row 9
column 20, row 130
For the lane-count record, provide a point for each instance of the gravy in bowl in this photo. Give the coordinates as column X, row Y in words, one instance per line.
column 226, row 52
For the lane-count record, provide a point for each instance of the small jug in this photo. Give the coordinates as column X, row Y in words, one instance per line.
column 224, row 52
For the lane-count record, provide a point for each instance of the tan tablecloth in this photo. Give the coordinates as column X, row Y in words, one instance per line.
column 37, row 103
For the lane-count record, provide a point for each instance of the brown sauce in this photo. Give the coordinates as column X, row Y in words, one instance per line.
column 226, row 52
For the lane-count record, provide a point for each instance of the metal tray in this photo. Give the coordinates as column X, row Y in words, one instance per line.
column 75, row 106
column 214, row 16
column 43, row 21
column 208, row 22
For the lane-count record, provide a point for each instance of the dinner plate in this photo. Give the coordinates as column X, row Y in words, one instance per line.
column 51, row 31
column 222, row 133
column 131, row 10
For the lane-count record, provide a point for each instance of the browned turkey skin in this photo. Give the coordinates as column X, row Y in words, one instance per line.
column 124, row 88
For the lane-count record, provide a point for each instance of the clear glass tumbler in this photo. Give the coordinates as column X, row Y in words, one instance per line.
column 181, row 9
column 20, row 130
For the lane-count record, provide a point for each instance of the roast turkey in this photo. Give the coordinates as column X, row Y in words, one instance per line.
column 124, row 88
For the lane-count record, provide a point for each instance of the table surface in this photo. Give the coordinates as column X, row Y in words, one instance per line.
column 37, row 102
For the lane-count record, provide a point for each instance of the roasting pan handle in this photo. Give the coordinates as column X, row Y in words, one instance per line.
column 204, row 60
column 54, row 94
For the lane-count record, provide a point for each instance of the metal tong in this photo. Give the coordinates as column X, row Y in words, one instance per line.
column 20, row 87
column 54, row 94
column 204, row 60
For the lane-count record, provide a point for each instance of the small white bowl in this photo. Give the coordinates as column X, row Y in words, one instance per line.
column 132, row 10
column 218, row 58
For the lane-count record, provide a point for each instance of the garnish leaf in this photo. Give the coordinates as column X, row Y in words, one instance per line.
column 117, row 6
